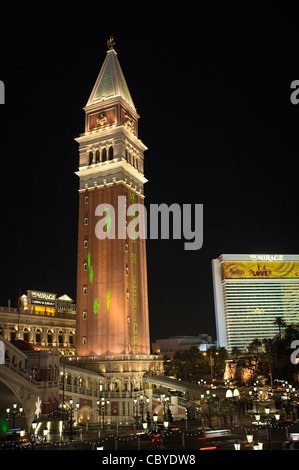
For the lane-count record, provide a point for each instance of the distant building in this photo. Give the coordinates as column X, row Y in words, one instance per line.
column 250, row 292
column 46, row 303
column 169, row 346
column 43, row 320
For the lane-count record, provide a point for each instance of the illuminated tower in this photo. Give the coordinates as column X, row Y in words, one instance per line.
column 112, row 299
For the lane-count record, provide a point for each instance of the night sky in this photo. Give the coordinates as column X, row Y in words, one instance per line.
column 212, row 88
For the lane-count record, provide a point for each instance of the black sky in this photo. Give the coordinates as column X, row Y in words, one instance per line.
column 212, row 87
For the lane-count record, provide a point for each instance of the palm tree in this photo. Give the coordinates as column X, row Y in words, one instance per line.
column 280, row 323
column 254, row 345
column 235, row 352
column 268, row 357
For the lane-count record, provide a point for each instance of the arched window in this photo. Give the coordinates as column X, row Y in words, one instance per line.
column 97, row 156
column 49, row 336
column 60, row 337
column 110, row 153
column 84, row 290
column 84, row 314
column 84, row 341
column 71, row 338
column 90, row 158
column 12, row 333
column 38, row 336
column 104, row 154
column 26, row 335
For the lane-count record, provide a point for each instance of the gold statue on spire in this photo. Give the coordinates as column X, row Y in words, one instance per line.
column 110, row 42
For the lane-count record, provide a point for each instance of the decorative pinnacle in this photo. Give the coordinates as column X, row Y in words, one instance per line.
column 110, row 42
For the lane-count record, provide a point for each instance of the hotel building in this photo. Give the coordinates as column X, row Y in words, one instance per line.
column 250, row 291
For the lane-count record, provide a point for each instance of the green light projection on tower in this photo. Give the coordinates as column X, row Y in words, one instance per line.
column 90, row 268
column 91, row 274
column 96, row 305
column 108, row 219
column 108, row 300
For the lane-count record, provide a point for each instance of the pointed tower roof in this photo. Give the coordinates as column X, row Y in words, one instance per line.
column 111, row 81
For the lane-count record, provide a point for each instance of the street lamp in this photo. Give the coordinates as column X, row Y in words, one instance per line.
column 71, row 410
column 144, row 425
column 14, row 413
column 44, row 438
column 101, row 408
column 164, row 400
column 33, row 435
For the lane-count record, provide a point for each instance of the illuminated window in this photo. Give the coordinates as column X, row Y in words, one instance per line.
column 85, row 266
column 84, row 341
column 127, row 247
column 85, row 243
column 84, row 314
column 128, row 320
column 129, row 347
column 127, row 269
column 84, row 290
column 128, row 295
column 86, row 199
column 86, row 221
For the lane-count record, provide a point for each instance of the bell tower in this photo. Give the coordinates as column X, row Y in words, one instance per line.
column 112, row 299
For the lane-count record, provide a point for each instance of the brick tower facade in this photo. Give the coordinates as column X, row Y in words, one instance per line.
column 112, row 299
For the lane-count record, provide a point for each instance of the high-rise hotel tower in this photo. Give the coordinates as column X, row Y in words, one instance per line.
column 250, row 291
column 112, row 298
